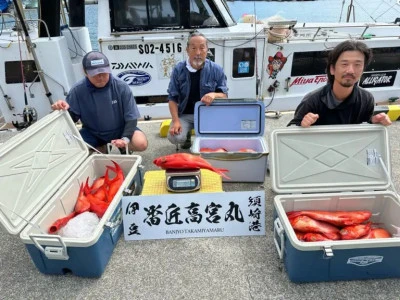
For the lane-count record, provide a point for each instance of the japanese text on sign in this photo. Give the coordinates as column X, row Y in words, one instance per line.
column 194, row 215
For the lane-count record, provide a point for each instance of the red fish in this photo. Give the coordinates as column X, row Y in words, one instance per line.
column 299, row 235
column 213, row 150
column 338, row 218
column 307, row 224
column 354, row 232
column 57, row 225
column 248, row 150
column 115, row 183
column 186, row 161
column 97, row 206
column 82, row 204
column 315, row 237
column 377, row 233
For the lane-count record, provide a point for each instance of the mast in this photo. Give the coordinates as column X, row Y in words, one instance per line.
column 349, row 9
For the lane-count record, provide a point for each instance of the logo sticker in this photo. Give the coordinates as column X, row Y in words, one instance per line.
column 381, row 79
column 135, row 77
column 363, row 261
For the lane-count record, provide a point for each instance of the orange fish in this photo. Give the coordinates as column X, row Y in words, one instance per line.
column 213, row 150
column 338, row 218
column 355, row 231
column 315, row 237
column 115, row 183
column 248, row 150
column 377, row 233
column 186, row 161
column 307, row 224
column 82, row 204
column 57, row 225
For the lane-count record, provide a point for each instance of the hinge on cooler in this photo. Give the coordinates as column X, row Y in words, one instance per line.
column 328, row 252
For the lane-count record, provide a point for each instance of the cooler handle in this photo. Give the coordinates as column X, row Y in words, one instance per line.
column 278, row 230
column 51, row 252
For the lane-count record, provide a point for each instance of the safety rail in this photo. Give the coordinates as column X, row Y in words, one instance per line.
column 16, row 22
column 358, row 31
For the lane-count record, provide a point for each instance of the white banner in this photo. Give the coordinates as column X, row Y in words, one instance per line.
column 194, row 215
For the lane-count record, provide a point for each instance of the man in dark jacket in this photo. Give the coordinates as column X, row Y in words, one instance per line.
column 106, row 107
column 341, row 101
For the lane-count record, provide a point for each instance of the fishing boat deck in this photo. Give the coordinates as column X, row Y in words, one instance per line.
column 190, row 268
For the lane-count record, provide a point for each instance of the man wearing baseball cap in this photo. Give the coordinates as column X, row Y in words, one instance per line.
column 106, row 107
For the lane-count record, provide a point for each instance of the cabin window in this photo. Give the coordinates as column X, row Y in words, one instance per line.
column 243, row 62
column 135, row 15
column 314, row 63
column 13, row 71
column 201, row 14
column 130, row 15
column 309, row 63
column 384, row 59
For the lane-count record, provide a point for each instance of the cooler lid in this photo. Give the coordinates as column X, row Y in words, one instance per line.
column 330, row 159
column 34, row 164
column 229, row 117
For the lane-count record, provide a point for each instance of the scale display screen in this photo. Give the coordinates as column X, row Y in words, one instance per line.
column 183, row 181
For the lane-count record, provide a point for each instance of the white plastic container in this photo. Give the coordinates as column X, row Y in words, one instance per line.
column 233, row 125
column 41, row 170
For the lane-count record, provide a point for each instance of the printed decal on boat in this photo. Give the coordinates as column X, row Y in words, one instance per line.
column 275, row 64
column 381, row 79
column 132, row 65
column 135, row 77
column 315, row 79
column 363, row 261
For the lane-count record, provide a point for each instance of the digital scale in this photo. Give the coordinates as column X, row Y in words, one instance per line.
column 183, row 181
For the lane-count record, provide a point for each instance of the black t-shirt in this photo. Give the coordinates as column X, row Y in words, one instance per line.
column 194, row 94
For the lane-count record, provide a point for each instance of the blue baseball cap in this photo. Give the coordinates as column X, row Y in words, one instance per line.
column 95, row 62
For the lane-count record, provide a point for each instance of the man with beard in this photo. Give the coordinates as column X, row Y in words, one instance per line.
column 341, row 101
column 196, row 79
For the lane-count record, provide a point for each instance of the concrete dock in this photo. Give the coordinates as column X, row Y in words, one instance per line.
column 191, row 268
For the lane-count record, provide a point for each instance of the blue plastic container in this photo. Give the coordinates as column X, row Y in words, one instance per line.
column 334, row 168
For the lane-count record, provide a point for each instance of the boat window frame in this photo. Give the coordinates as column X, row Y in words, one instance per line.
column 218, row 7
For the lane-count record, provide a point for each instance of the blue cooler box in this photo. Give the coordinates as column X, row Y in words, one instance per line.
column 41, row 171
column 334, row 168
column 233, row 125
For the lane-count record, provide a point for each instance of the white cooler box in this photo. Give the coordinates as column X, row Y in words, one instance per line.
column 233, row 125
column 41, row 170
column 334, row 168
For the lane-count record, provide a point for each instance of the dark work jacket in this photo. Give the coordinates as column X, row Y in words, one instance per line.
column 355, row 109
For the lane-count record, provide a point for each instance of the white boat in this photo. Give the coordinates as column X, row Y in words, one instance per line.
column 276, row 62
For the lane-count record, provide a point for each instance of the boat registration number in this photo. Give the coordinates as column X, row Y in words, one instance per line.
column 160, row 48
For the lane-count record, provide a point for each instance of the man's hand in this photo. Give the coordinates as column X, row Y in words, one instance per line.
column 309, row 119
column 120, row 143
column 207, row 99
column 381, row 118
column 176, row 128
column 60, row 105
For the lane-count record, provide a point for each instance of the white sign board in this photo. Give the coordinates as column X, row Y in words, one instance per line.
column 194, row 215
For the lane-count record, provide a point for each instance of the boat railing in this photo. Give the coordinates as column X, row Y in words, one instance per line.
column 16, row 23
column 331, row 32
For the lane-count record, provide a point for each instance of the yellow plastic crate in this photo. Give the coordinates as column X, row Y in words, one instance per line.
column 154, row 183
column 165, row 126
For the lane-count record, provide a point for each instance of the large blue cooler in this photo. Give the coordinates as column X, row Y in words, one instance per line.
column 334, row 168
column 41, row 170
column 233, row 124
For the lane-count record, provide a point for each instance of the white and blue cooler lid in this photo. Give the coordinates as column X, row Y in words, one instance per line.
column 34, row 164
column 330, row 159
column 229, row 117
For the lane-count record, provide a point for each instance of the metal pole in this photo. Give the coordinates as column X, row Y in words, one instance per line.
column 31, row 49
